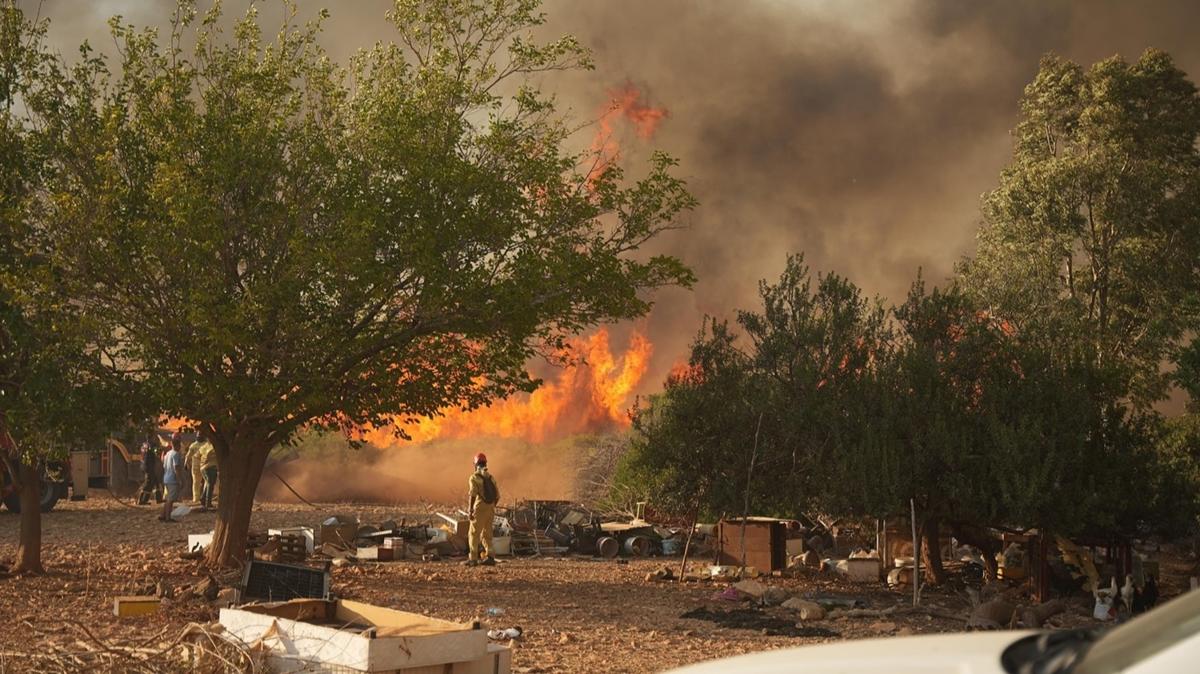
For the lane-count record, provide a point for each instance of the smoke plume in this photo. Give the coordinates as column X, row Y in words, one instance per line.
column 860, row 133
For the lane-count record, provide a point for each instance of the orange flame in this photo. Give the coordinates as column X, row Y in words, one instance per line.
column 590, row 395
column 624, row 102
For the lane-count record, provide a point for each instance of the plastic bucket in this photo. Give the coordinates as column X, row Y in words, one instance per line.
column 502, row 545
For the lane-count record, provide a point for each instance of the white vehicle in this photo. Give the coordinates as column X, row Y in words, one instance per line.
column 1165, row 640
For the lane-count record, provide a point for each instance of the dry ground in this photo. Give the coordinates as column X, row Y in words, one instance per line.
column 578, row 614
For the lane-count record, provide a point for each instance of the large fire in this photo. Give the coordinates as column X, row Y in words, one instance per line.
column 594, row 393
column 625, row 103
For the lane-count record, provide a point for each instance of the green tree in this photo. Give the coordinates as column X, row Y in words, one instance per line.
column 815, row 345
column 1093, row 234
column 52, row 390
column 692, row 445
column 282, row 243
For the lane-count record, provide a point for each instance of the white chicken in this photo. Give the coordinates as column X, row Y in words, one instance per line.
column 1127, row 592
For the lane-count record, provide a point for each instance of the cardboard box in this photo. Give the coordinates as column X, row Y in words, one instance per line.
column 345, row 635
column 375, row 554
column 859, row 570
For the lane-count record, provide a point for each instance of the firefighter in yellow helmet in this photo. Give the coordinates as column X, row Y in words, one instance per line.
column 482, row 497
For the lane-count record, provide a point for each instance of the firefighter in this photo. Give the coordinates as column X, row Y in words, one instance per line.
column 481, row 508
column 151, row 484
column 195, row 462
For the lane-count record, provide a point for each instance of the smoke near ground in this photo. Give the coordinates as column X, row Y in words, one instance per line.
column 431, row 472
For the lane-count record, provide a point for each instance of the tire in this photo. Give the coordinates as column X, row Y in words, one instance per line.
column 50, row 494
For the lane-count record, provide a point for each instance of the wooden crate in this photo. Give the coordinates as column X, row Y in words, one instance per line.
column 766, row 543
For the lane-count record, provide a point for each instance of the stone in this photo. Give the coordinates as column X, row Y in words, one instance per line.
column 752, row 588
column 774, row 596
column 806, row 610
column 226, row 597
column 882, row 626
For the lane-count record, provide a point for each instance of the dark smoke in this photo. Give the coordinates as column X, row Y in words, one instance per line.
column 861, row 133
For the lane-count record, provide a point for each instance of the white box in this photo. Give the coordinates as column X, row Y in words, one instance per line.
column 199, row 541
column 384, row 641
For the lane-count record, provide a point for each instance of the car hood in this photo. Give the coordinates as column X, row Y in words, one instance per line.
column 964, row 653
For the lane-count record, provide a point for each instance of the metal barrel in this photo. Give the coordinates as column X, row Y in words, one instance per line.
column 608, row 547
column 638, row 546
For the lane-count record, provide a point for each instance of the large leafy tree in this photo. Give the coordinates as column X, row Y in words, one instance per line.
column 1093, row 234
column 280, row 242
column 693, row 445
column 55, row 391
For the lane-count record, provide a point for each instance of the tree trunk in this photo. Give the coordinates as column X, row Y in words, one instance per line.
column 687, row 546
column 29, row 546
column 931, row 553
column 986, row 544
column 239, row 471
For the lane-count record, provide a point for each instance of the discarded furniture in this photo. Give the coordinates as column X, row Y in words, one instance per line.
column 765, row 543
column 345, row 636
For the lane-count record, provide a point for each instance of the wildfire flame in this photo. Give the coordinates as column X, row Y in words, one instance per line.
column 590, row 395
column 625, row 103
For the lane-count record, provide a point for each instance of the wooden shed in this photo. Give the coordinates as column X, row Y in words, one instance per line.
column 766, row 543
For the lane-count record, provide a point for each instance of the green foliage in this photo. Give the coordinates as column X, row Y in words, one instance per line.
column 1093, row 234
column 864, row 409
column 691, row 445
column 315, row 245
column 53, row 388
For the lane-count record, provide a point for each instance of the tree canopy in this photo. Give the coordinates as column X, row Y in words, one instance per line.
column 278, row 242
column 1094, row 231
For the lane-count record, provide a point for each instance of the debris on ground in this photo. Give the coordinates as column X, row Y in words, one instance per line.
column 753, row 619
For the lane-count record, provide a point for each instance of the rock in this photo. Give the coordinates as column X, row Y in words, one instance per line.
column 752, row 588
column 564, row 638
column 226, row 597
column 904, row 632
column 992, row 615
column 661, row 573
column 882, row 626
column 806, row 610
column 774, row 596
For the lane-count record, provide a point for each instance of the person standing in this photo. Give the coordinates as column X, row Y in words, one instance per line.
column 208, row 461
column 150, row 483
column 482, row 497
column 172, row 472
column 192, row 459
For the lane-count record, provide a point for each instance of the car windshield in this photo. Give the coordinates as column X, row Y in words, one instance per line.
column 1157, row 630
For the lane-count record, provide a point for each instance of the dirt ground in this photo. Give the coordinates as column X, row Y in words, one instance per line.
column 578, row 614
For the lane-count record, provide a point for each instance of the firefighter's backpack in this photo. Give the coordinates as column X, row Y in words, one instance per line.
column 491, row 493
